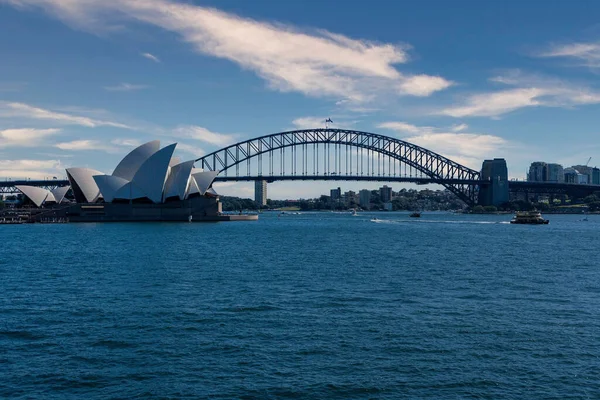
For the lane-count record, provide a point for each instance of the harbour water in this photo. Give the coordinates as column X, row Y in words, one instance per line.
column 315, row 305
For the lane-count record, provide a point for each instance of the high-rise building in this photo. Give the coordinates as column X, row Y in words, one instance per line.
column 556, row 173
column 365, row 198
column 336, row 194
column 538, row 172
column 593, row 174
column 385, row 194
column 260, row 192
column 496, row 192
column 350, row 198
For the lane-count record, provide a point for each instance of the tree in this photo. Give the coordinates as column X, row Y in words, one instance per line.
column 1, row 204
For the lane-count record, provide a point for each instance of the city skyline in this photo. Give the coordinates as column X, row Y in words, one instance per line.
column 84, row 82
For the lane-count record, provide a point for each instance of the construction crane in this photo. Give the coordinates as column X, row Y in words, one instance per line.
column 589, row 159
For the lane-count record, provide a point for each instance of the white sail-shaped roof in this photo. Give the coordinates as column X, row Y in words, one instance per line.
column 178, row 180
column 129, row 192
column 211, row 191
column 109, row 185
column 37, row 195
column 152, row 174
column 204, row 180
column 60, row 192
column 132, row 162
column 83, row 184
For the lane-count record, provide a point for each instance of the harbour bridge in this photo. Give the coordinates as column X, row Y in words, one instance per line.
column 348, row 155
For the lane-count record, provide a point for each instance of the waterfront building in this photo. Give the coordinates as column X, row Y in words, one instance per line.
column 388, row 206
column 148, row 184
column 260, row 192
column 364, row 198
column 385, row 193
column 555, row 173
column 573, row 175
column 592, row 173
column 538, row 172
column 335, row 194
column 350, row 198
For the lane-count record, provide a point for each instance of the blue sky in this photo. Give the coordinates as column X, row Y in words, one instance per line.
column 83, row 81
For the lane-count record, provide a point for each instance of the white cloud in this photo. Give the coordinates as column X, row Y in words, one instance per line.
column 125, row 87
column 195, row 151
column 319, row 122
column 424, row 85
column 25, row 137
column 529, row 91
column 21, row 110
column 150, row 57
column 204, row 135
column 316, row 63
column 79, row 145
column 588, row 54
column 496, row 103
column 87, row 145
column 404, row 127
column 459, row 127
column 468, row 149
column 126, row 142
column 33, row 169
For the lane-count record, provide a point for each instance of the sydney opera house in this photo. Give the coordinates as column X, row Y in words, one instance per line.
column 149, row 184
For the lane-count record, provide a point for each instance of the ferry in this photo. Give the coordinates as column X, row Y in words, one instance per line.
column 416, row 214
column 529, row 217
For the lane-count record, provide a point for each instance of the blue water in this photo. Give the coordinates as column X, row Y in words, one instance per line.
column 321, row 305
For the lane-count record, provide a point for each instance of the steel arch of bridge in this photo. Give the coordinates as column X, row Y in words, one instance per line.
column 460, row 180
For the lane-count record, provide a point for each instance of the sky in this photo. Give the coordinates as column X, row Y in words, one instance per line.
column 82, row 82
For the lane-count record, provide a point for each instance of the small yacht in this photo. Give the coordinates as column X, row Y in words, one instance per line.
column 416, row 214
column 529, row 217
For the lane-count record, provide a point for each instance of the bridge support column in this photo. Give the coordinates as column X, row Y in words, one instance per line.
column 260, row 192
column 496, row 192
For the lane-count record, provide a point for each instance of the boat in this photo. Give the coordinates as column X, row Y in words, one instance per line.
column 354, row 212
column 416, row 214
column 529, row 218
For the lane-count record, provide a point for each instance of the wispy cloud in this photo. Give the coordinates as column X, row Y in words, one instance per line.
column 80, row 145
column 528, row 91
column 204, row 135
column 126, row 142
column 91, row 145
column 150, row 57
column 316, row 63
column 25, row 137
column 26, row 111
column 585, row 54
column 459, row 127
column 319, row 122
column 33, row 169
column 192, row 150
column 125, row 87
column 465, row 148
column 404, row 127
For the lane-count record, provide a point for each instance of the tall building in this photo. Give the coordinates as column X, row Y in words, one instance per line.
column 593, row 173
column 350, row 198
column 365, row 198
column 260, row 192
column 538, row 172
column 336, row 194
column 385, row 194
column 496, row 192
column 556, row 173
